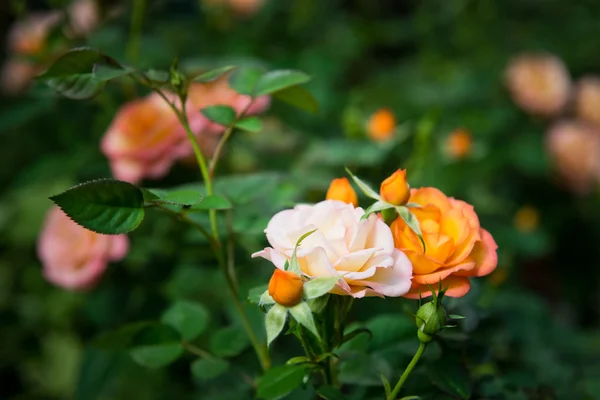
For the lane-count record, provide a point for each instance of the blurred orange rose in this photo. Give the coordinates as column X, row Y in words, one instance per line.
column 28, row 36
column 539, row 83
column 16, row 75
column 587, row 99
column 456, row 246
column 381, row 125
column 459, row 143
column 574, row 148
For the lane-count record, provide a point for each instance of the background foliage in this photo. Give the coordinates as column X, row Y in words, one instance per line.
column 531, row 330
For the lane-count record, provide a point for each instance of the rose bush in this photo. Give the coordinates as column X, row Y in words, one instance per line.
column 456, row 247
column 74, row 257
column 360, row 252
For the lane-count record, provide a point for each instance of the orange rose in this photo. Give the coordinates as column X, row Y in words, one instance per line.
column 395, row 189
column 286, row 288
column 587, row 99
column 381, row 125
column 456, row 246
column 340, row 189
column 458, row 143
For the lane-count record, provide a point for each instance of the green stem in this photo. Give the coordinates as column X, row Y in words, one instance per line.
column 135, row 30
column 197, row 350
column 407, row 371
column 217, row 154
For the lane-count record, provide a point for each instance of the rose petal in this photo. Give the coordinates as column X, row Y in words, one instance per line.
column 441, row 274
column 456, row 286
column 485, row 255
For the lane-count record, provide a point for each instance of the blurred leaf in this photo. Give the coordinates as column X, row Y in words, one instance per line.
column 209, row 368
column 299, row 97
column 104, row 206
column 119, row 338
column 451, row 377
column 156, row 346
column 328, row 392
column 186, row 197
column 228, row 342
column 19, row 113
column 274, row 322
column 213, row 75
column 255, row 293
column 213, row 202
column 244, row 80
column 250, row 124
column 158, row 76
column 278, row 382
column 72, row 74
column 274, row 81
column 363, row 369
column 189, row 319
column 389, row 330
column 220, row 114
column 105, row 73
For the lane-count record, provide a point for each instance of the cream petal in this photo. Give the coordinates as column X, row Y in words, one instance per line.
column 353, row 262
column 393, row 281
column 272, row 255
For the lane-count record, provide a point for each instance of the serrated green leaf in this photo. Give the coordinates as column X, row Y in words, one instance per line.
column 228, row 342
column 274, row 322
column 302, row 314
column 298, row 97
column 206, row 369
column 244, row 80
column 278, row 382
column 277, row 80
column 188, row 318
column 366, row 189
column 213, row 74
column 378, row 206
column 223, row 115
column 249, row 124
column 317, row 287
column 72, row 74
column 104, row 206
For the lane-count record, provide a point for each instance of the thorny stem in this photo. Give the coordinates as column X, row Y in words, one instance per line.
column 407, row 371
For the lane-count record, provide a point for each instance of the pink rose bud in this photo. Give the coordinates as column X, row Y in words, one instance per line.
column 74, row 257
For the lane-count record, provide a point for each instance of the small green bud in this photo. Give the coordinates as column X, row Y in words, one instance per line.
column 430, row 320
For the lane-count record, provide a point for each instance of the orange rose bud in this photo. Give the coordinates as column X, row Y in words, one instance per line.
column 381, row 125
column 340, row 189
column 458, row 143
column 286, row 288
column 395, row 189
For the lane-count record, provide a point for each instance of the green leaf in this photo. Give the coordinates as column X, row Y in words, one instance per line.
column 250, row 124
column 366, row 189
column 411, row 398
column 119, row 338
column 278, row 382
column 72, row 74
column 299, row 360
column 213, row 202
column 244, row 80
column 105, row 73
column 188, row 318
column 186, row 197
column 158, row 76
column 228, row 342
column 386, row 384
column 255, row 293
column 213, row 74
column 451, row 377
column 156, row 346
column 302, row 314
column 299, row 97
column 317, row 287
column 274, row 81
column 274, row 322
column 456, row 316
column 220, row 114
column 294, row 266
column 328, row 392
column 266, row 299
column 104, row 206
column 378, row 206
column 413, row 223
column 206, row 369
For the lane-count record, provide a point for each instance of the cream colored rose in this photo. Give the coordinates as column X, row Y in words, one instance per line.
column 360, row 252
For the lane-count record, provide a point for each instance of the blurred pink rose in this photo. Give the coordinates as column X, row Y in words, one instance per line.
column 84, row 17
column 16, row 75
column 575, row 151
column 28, row 36
column 539, row 83
column 74, row 257
column 587, row 99
column 242, row 7
column 360, row 252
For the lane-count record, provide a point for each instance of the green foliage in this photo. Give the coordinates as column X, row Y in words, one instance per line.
column 298, row 97
column 228, row 342
column 278, row 382
column 103, row 206
column 223, row 115
column 156, row 346
column 189, row 319
column 213, row 74
column 275, row 81
column 206, row 369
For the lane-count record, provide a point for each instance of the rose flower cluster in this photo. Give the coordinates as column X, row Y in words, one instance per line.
column 374, row 258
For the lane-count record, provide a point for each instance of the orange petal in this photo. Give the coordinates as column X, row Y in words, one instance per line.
column 434, row 277
column 404, row 237
column 485, row 255
column 454, row 224
column 456, row 287
column 421, row 264
column 430, row 195
column 438, row 247
column 467, row 210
